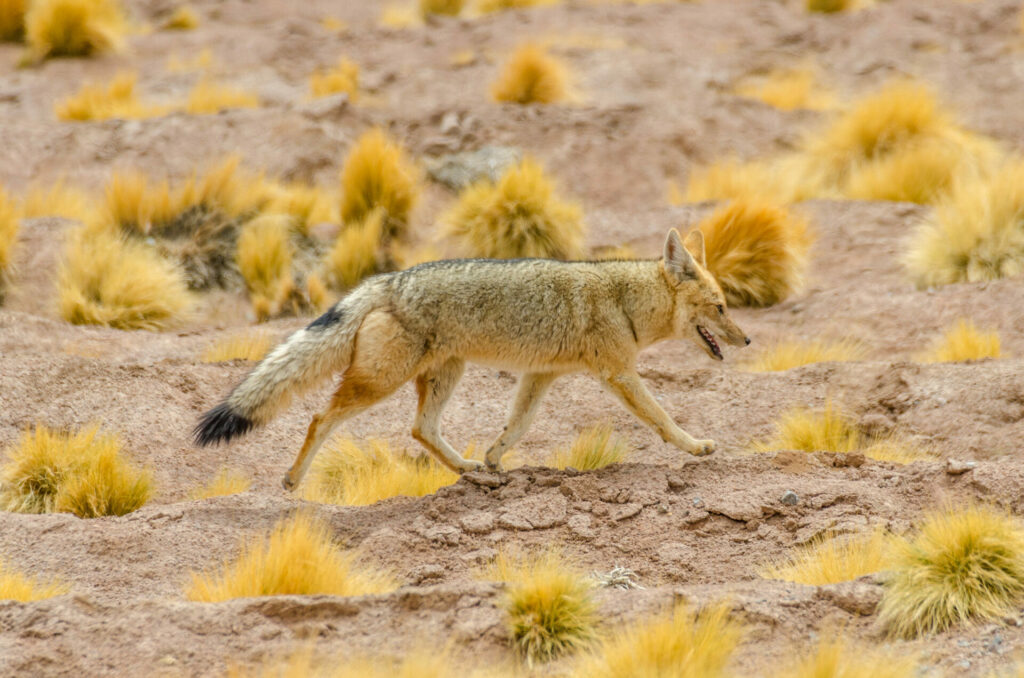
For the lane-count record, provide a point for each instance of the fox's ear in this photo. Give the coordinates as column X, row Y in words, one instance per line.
column 678, row 261
column 694, row 244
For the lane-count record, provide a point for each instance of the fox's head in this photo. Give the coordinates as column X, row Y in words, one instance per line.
column 700, row 310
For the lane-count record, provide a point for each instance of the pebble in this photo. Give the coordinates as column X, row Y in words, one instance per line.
column 790, row 498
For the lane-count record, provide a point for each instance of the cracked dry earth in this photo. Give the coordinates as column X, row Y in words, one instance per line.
column 655, row 100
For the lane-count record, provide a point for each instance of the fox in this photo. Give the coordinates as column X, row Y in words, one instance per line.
column 543, row 318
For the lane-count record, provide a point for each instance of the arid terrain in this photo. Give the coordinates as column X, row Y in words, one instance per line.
column 653, row 98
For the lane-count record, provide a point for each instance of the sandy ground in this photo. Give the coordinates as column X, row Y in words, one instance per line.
column 654, row 99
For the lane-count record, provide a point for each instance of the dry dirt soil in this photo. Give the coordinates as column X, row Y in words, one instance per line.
column 653, row 99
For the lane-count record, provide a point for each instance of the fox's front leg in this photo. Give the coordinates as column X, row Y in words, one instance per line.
column 634, row 394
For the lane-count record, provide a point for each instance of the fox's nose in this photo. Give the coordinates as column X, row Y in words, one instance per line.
column 747, row 339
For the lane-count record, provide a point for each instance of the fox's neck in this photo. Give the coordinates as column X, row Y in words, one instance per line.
column 646, row 298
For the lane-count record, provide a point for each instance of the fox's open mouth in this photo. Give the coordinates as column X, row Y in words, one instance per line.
column 709, row 339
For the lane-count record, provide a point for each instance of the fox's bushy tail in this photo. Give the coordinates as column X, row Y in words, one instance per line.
column 303, row 360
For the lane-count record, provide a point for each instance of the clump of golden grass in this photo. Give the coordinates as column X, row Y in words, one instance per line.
column 975, row 233
column 17, row 586
column 786, row 355
column 12, row 20
column 834, row 559
column 830, row 6
column 208, row 97
column 299, row 557
column 788, row 90
column 917, row 172
column 55, row 28
column 342, row 77
column 9, row 226
column 442, row 7
column 963, row 565
column 490, row 6
column 116, row 100
column 378, row 175
column 306, row 205
column 57, row 200
column 183, row 18
column 756, row 250
column 549, row 603
column 519, row 216
column 226, row 482
column 530, row 76
column 265, row 262
column 84, row 473
column 784, row 181
column 679, row 644
column 829, row 430
column 105, row 280
column 243, row 347
column 356, row 253
column 963, row 342
column 837, row 657
column 399, row 16
column 358, row 474
column 594, row 448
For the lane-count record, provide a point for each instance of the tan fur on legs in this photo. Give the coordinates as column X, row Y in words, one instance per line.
column 634, row 395
column 434, row 387
column 531, row 389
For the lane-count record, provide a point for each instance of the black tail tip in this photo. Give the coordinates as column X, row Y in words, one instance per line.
column 221, row 424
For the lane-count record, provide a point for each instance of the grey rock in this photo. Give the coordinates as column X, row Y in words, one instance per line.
column 790, row 498
column 458, row 170
column 477, row 522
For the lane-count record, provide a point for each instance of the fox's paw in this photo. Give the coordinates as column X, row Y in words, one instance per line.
column 470, row 465
column 287, row 482
column 703, row 448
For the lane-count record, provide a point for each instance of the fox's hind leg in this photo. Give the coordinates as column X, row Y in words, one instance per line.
column 434, row 387
column 531, row 389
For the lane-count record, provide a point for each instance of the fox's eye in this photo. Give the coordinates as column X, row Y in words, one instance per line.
column 721, row 309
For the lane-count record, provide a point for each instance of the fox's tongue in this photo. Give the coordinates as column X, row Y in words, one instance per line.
column 710, row 339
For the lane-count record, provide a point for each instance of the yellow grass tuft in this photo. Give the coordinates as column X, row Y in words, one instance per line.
column 399, row 16
column 357, row 474
column 531, row 76
column 306, row 205
column 834, row 559
column 212, row 97
column 830, row 6
column 265, row 262
column 962, row 342
column 343, row 77
column 57, row 200
column 224, row 187
column 963, row 565
column 117, row 100
column 55, row 28
column 916, row 172
column 679, row 644
column 16, row 586
column 10, row 223
column 356, row 252
column 519, row 216
column 84, row 473
column 12, row 20
column 104, row 280
column 243, row 347
column 334, row 24
column 757, row 250
column 443, row 7
column 788, row 90
column 136, row 206
column 378, row 175
column 183, row 18
column 836, row 657
column 419, row 663
column 299, row 557
column 786, row 355
column 784, row 181
column 202, row 61
column 549, row 604
column 225, row 483
column 491, row 6
column 976, row 233
column 594, row 448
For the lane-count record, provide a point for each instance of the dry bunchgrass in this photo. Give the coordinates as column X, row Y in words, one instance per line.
column 593, row 448
column 916, row 172
column 84, row 473
column 783, row 181
column 377, row 174
column 975, row 233
column 116, row 100
column 15, row 585
column 530, row 76
column 837, row 657
column 265, row 262
column 356, row 253
column 549, row 603
column 12, row 20
column 678, row 644
column 56, row 28
column 10, row 221
column 208, row 96
column 833, row 559
column 106, row 280
column 963, row 565
column 519, row 216
column 306, row 205
column 491, row 6
column 57, row 200
column 342, row 77
column 183, row 18
column 243, row 347
column 400, row 16
column 298, row 557
column 830, row 6
column 786, row 355
column 962, row 342
column 135, row 205
column 757, row 250
column 225, row 483
column 442, row 7
column 358, row 474
column 788, row 90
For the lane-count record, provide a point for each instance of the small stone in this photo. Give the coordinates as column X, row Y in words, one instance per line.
column 663, row 509
column 624, row 511
column 790, row 498
column 458, row 170
column 957, row 468
column 428, row 572
column 965, row 664
column 168, row 660
column 698, row 501
column 450, row 122
column 678, row 484
column 694, row 517
column 477, row 522
column 580, row 526
column 484, row 479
